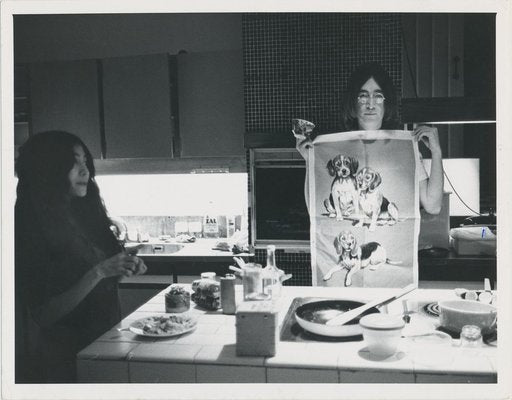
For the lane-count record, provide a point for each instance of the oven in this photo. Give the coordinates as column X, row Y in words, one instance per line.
column 279, row 214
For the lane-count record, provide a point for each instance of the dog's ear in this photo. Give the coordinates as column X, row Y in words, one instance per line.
column 355, row 248
column 354, row 165
column 359, row 176
column 337, row 244
column 330, row 168
column 375, row 182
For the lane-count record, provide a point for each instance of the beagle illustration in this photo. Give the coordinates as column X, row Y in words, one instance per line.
column 344, row 197
column 353, row 257
column 371, row 200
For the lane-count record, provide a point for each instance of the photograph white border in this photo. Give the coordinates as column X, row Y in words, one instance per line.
column 260, row 391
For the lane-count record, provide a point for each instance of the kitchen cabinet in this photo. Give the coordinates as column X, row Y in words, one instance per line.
column 64, row 96
column 127, row 107
column 211, row 103
column 123, row 102
column 136, row 106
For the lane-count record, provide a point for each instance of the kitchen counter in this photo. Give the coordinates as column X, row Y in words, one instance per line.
column 200, row 250
column 208, row 354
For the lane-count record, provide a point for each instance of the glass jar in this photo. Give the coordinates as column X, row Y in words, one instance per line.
column 252, row 280
column 471, row 336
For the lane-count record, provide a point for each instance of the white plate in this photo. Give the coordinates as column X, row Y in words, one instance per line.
column 183, row 323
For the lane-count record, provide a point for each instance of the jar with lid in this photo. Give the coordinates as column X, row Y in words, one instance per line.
column 206, row 291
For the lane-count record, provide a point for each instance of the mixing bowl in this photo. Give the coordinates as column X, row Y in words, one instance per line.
column 454, row 314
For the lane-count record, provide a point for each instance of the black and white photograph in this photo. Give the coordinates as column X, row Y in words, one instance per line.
column 274, row 201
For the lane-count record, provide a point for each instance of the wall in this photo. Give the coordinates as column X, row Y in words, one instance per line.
column 69, row 37
column 297, row 65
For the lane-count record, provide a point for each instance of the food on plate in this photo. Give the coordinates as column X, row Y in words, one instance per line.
column 165, row 324
column 177, row 300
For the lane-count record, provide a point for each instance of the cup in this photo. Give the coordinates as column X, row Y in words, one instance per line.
column 252, row 281
column 382, row 333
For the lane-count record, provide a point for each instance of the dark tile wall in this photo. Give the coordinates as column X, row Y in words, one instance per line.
column 296, row 65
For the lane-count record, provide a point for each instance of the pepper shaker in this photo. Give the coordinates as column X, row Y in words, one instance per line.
column 227, row 294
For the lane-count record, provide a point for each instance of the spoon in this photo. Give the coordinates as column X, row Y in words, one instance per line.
column 350, row 315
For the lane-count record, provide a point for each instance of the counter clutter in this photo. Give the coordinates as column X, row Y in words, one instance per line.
column 208, row 352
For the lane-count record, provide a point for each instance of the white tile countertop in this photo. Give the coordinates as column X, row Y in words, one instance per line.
column 208, row 354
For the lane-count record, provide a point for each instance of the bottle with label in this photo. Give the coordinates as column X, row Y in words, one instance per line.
column 272, row 275
column 210, row 223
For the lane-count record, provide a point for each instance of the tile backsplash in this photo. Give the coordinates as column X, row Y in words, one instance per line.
column 296, row 65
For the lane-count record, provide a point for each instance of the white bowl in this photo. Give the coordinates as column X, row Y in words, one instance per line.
column 382, row 333
column 454, row 314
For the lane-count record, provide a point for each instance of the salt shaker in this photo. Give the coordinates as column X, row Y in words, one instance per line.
column 227, row 294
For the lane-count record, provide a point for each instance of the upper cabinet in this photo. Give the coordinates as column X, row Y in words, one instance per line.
column 211, row 103
column 64, row 96
column 149, row 106
column 136, row 106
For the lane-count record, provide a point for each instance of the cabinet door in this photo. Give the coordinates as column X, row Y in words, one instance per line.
column 64, row 96
column 211, row 103
column 136, row 98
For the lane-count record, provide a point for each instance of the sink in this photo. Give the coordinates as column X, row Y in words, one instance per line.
column 163, row 248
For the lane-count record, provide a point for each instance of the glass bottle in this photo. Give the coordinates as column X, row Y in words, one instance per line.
column 271, row 274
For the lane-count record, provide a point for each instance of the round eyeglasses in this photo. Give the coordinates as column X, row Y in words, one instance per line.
column 364, row 98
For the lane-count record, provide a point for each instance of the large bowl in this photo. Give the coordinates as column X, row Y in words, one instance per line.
column 454, row 314
column 314, row 315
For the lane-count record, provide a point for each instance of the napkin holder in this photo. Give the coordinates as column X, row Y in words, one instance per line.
column 256, row 328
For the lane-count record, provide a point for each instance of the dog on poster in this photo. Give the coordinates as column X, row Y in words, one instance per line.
column 371, row 201
column 344, row 197
column 354, row 257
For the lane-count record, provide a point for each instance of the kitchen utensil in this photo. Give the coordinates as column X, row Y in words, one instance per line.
column 312, row 317
column 349, row 315
column 382, row 333
column 434, row 334
column 235, row 269
column 454, row 314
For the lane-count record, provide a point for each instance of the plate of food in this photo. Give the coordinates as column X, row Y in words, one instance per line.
column 164, row 325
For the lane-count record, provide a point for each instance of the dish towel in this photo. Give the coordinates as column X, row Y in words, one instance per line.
column 364, row 209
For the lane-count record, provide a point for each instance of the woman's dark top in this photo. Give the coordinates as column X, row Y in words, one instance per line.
column 43, row 271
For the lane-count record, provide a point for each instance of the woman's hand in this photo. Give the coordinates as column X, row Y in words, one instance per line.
column 122, row 264
column 429, row 136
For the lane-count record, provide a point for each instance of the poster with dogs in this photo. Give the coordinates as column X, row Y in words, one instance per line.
column 364, row 209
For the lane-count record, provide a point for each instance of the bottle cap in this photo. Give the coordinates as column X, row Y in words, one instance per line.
column 208, row 275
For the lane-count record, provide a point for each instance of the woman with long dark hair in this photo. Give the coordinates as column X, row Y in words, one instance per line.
column 68, row 260
column 370, row 103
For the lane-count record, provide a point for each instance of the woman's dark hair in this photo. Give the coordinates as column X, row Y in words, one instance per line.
column 358, row 78
column 42, row 167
